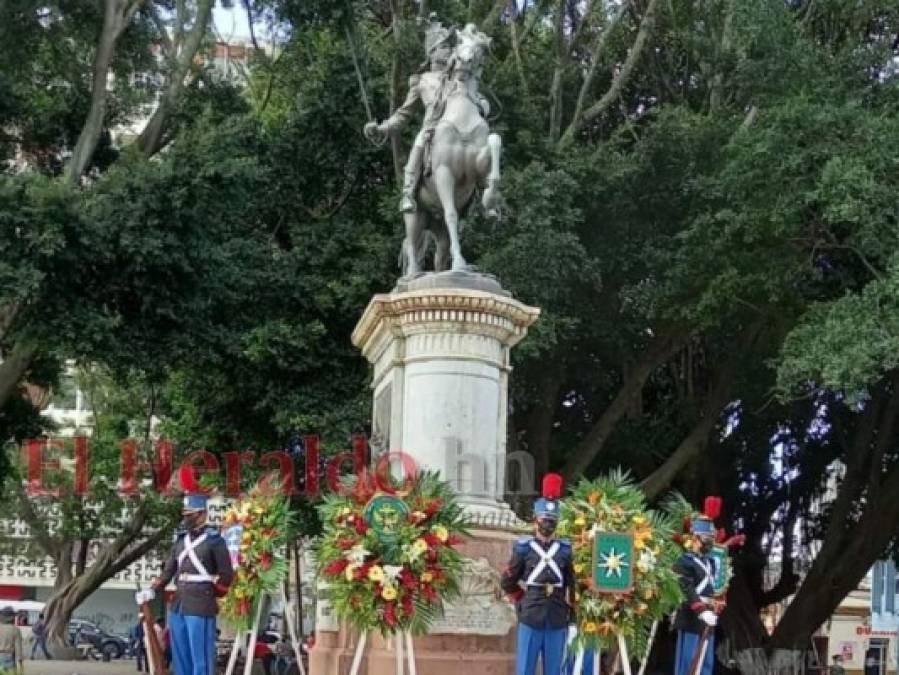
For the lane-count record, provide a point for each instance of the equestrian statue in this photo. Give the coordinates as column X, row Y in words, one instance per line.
column 454, row 155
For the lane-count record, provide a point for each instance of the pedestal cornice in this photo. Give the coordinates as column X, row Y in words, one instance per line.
column 460, row 310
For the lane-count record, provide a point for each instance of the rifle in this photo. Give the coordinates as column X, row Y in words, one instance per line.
column 155, row 656
column 699, row 655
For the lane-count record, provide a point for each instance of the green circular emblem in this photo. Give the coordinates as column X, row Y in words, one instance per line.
column 384, row 515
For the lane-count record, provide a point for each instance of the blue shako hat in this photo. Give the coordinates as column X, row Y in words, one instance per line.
column 194, row 503
column 703, row 524
column 195, row 499
column 548, row 505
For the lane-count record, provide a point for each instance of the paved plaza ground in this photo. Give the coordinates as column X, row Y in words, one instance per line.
column 122, row 667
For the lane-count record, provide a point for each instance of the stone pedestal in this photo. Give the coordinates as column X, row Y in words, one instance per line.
column 439, row 346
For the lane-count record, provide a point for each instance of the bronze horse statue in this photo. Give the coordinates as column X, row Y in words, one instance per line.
column 462, row 156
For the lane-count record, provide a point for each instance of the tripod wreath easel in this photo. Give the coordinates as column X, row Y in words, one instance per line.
column 404, row 649
column 248, row 638
column 257, row 532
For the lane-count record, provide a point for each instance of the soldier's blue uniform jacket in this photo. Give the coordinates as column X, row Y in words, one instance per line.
column 546, row 571
column 195, row 593
column 200, row 564
column 696, row 575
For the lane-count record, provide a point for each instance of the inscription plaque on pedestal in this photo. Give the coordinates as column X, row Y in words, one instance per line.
column 481, row 609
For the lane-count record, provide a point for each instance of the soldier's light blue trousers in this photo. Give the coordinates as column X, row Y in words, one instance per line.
column 193, row 643
column 535, row 642
column 586, row 668
column 687, row 644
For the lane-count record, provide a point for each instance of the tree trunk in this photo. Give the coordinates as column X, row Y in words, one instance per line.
column 152, row 139
column 15, row 364
column 851, row 545
column 541, row 417
column 591, row 445
column 741, row 619
column 111, row 559
column 116, row 16
column 65, row 600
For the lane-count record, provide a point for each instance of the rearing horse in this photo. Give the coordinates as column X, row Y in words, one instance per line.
column 463, row 156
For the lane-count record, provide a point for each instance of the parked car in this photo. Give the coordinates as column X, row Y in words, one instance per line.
column 108, row 645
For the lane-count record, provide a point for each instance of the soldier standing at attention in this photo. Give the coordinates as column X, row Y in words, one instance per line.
column 543, row 564
column 201, row 567
column 697, row 616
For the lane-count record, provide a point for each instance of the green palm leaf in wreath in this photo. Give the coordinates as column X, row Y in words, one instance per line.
column 623, row 561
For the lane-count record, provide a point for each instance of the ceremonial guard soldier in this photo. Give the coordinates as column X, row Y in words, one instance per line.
column 543, row 564
column 697, row 616
column 201, row 567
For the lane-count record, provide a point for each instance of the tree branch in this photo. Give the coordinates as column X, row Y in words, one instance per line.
column 129, row 557
column 117, row 14
column 555, row 90
column 592, row 444
column 619, row 80
column 698, row 438
column 38, row 526
column 150, row 140
column 696, row 441
column 8, row 314
column 493, row 15
column 516, row 54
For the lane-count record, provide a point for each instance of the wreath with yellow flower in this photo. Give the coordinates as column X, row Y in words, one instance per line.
column 613, row 504
column 265, row 525
column 389, row 561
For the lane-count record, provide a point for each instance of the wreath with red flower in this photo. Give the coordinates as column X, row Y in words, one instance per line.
column 265, row 522
column 388, row 562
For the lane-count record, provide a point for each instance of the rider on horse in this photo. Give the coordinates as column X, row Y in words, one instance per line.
column 429, row 87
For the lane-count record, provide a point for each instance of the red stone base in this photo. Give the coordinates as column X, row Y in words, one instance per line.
column 434, row 654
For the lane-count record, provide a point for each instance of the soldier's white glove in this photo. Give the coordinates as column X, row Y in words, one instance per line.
column 709, row 618
column 572, row 633
column 144, row 596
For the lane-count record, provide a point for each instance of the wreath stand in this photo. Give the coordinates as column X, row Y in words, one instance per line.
column 249, row 638
column 404, row 649
column 622, row 656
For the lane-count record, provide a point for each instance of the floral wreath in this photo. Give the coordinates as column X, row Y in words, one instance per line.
column 259, row 526
column 389, row 558
column 613, row 504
